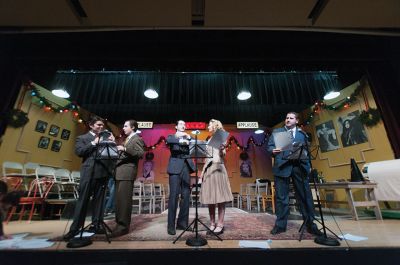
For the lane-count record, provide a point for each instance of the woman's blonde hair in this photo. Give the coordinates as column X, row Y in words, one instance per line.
column 217, row 124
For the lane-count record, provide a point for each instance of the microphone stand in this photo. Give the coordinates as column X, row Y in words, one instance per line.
column 197, row 240
column 324, row 239
column 81, row 241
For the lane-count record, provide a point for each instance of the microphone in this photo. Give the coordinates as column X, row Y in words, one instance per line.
column 105, row 134
column 196, row 132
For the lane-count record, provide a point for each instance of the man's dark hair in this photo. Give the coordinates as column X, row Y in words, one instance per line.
column 95, row 119
column 134, row 124
column 295, row 114
column 3, row 187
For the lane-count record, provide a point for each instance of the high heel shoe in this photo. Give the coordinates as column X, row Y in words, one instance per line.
column 219, row 230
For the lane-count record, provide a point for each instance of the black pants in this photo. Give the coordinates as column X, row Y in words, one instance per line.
column 179, row 185
column 88, row 188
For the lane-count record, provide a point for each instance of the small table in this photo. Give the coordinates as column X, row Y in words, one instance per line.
column 348, row 186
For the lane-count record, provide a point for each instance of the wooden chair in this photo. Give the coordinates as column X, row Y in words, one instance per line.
column 269, row 197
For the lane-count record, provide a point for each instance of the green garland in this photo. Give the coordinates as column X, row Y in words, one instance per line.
column 17, row 118
column 370, row 117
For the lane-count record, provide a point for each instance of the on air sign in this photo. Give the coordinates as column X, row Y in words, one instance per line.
column 247, row 125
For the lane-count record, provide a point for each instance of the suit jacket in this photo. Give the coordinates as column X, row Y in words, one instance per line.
column 127, row 163
column 90, row 164
column 283, row 167
column 179, row 156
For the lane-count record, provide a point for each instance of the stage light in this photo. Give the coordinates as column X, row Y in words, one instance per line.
column 60, row 92
column 331, row 95
column 150, row 93
column 259, row 131
column 244, row 95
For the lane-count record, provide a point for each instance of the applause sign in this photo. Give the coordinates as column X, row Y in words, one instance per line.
column 247, row 125
column 195, row 125
column 145, row 124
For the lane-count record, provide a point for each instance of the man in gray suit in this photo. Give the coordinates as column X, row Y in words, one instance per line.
column 299, row 170
column 94, row 174
column 180, row 166
column 125, row 174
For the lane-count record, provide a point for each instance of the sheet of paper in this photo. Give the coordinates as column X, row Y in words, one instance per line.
column 218, row 138
column 353, row 237
column 283, row 140
column 264, row 244
column 19, row 242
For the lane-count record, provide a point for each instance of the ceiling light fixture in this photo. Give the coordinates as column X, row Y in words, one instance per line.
column 331, row 95
column 60, row 92
column 244, row 95
column 259, row 131
column 150, row 93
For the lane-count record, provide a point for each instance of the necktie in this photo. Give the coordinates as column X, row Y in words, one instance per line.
column 292, row 133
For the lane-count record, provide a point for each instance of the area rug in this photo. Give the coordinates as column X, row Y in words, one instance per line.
column 239, row 225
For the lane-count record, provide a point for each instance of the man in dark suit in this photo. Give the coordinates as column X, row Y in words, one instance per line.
column 180, row 166
column 94, row 174
column 126, row 171
column 286, row 167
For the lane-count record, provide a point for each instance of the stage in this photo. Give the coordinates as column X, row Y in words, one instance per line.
column 381, row 246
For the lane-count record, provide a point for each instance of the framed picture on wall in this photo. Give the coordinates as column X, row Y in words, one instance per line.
column 44, row 142
column 351, row 129
column 326, row 135
column 54, row 129
column 65, row 134
column 56, row 146
column 41, row 126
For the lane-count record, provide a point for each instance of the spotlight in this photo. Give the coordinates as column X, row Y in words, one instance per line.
column 150, row 93
column 60, row 92
column 244, row 95
column 331, row 95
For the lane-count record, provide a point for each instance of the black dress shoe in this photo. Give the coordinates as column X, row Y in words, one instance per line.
column 220, row 232
column 180, row 227
column 313, row 229
column 96, row 229
column 70, row 235
column 171, row 231
column 277, row 230
column 118, row 233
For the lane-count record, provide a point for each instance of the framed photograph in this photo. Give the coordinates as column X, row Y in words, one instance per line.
column 56, row 146
column 41, row 126
column 245, row 169
column 351, row 129
column 65, row 134
column 326, row 135
column 54, row 129
column 44, row 142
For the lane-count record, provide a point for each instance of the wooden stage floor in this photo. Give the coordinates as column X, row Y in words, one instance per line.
column 380, row 234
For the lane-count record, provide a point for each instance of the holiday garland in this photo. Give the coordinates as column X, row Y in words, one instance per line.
column 47, row 106
column 369, row 117
column 231, row 140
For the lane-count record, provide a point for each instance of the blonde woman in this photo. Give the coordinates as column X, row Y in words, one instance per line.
column 215, row 188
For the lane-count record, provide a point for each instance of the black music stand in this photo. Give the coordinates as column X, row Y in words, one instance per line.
column 300, row 153
column 106, row 154
column 197, row 151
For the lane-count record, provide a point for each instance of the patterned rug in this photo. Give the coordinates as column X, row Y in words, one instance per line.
column 239, row 225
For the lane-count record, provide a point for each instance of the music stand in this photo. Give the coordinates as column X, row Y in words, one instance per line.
column 303, row 153
column 197, row 151
column 106, row 154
